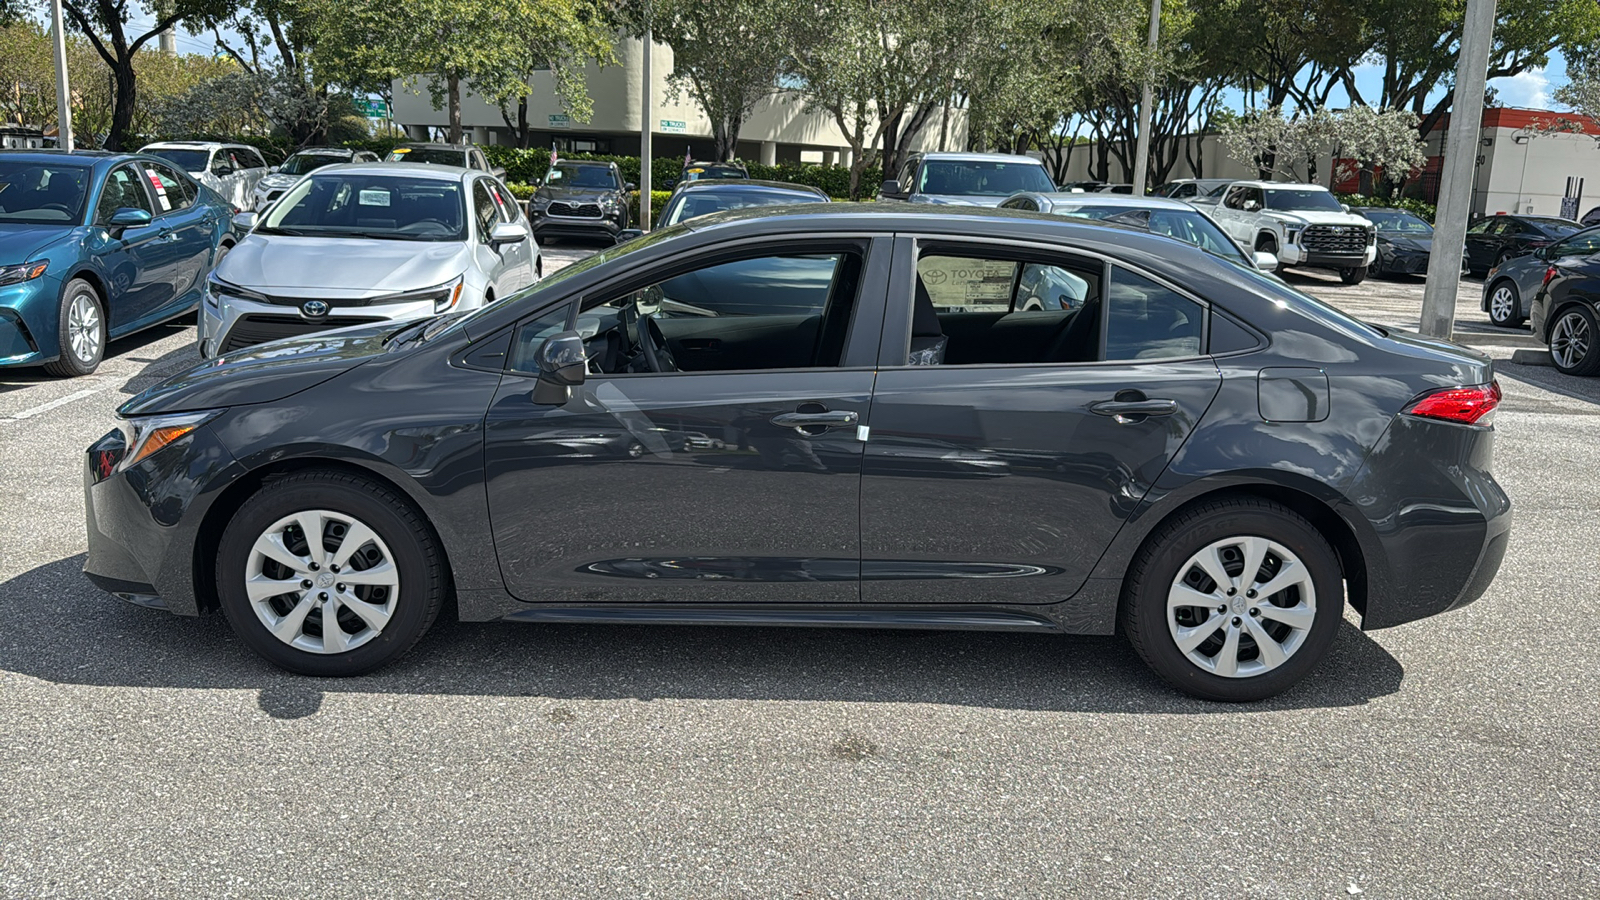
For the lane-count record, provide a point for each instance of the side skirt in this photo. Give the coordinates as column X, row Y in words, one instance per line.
column 939, row 619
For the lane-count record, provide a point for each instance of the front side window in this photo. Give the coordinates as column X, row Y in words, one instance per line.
column 982, row 178
column 484, row 206
column 393, row 207
column 122, row 190
column 532, row 334
column 783, row 311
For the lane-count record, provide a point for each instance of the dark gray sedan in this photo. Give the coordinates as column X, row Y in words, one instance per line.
column 1509, row 288
column 1195, row 455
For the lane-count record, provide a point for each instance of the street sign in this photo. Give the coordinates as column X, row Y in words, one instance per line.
column 373, row 109
column 674, row 126
column 560, row 120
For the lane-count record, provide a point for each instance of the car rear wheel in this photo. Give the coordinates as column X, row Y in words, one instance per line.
column 1235, row 600
column 80, row 333
column 326, row 573
column 1572, row 342
column 1353, row 274
column 1505, row 305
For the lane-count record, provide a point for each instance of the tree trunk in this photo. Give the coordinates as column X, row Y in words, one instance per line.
column 523, row 137
column 453, row 82
column 122, row 112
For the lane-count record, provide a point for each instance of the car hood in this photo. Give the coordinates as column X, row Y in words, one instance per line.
column 277, row 180
column 341, row 267
column 1406, row 242
column 1318, row 217
column 578, row 194
column 265, row 372
column 20, row 242
column 957, row 199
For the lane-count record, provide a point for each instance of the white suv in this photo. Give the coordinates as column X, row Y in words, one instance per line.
column 231, row 170
column 1300, row 224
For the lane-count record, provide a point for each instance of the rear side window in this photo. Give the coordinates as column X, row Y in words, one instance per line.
column 173, row 191
column 1146, row 320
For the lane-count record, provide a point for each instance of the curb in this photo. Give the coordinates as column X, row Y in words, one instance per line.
column 1532, row 358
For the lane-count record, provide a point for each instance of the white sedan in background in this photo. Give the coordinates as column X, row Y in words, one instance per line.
column 362, row 243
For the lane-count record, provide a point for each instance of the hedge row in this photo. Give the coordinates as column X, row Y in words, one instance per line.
column 1418, row 208
column 528, row 166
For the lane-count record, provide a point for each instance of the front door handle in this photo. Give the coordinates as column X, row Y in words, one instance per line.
column 1127, row 412
column 814, row 422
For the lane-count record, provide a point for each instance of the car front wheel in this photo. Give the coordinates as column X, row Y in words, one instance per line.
column 327, row 573
column 1353, row 274
column 81, row 331
column 1235, row 600
column 1505, row 306
column 1572, row 342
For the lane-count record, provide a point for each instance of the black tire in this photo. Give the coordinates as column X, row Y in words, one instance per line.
column 1353, row 274
column 1155, row 569
column 1573, row 345
column 1506, row 317
column 72, row 364
column 423, row 580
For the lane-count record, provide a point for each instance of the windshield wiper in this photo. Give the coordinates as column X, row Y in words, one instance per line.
column 381, row 235
column 402, row 335
column 270, row 229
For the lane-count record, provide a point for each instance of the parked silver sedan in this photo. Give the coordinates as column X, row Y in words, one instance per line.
column 360, row 243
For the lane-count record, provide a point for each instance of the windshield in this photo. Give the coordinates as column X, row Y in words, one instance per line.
column 188, row 160
column 42, row 194
column 698, row 171
column 981, row 178
column 391, row 207
column 433, row 156
column 1219, row 189
column 301, row 163
column 1189, row 227
column 1308, row 199
column 702, row 203
column 580, row 177
column 1398, row 223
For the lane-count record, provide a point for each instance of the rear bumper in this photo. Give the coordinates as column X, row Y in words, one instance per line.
column 1435, row 522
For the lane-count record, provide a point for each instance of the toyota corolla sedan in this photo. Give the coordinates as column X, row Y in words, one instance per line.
column 356, row 244
column 1196, row 456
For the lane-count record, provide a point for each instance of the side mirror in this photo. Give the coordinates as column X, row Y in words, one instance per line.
column 272, row 170
column 563, row 364
column 244, row 221
column 889, row 188
column 130, row 217
column 1264, row 261
column 537, row 182
column 628, row 234
column 630, row 186
column 503, row 233
column 222, row 171
column 498, row 172
column 1251, row 206
column 1345, row 207
column 1542, row 252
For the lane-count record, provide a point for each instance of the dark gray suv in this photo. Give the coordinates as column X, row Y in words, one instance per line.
column 826, row 415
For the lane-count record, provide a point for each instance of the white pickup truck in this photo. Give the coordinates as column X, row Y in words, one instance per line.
column 1300, row 224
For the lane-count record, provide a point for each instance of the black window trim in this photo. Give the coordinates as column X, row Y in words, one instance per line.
column 889, row 359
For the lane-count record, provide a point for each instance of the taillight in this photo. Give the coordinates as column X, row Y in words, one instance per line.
column 1473, row 405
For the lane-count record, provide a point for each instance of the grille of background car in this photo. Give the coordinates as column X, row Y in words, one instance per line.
column 252, row 330
column 1350, row 239
column 585, row 210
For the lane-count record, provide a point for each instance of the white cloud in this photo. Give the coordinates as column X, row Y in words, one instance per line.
column 1530, row 90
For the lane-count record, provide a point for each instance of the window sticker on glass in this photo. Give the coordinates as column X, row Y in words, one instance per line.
column 373, row 198
column 161, row 192
column 970, row 284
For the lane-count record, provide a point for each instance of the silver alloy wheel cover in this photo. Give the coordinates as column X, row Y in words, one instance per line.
column 1237, row 614
column 332, row 573
column 1569, row 340
column 83, row 327
column 1500, row 304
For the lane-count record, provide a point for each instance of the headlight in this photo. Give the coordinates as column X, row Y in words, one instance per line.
column 23, row 272
column 444, row 296
column 216, row 289
column 539, row 202
column 145, row 435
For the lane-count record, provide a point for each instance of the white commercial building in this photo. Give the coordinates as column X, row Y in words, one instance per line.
column 780, row 129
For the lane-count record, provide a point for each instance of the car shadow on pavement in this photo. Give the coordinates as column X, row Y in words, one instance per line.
column 159, row 368
column 60, row 628
column 123, row 346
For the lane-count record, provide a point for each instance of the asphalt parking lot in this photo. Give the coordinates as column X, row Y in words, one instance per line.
column 147, row 755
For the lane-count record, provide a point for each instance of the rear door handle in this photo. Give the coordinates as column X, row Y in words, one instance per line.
column 800, row 421
column 1129, row 411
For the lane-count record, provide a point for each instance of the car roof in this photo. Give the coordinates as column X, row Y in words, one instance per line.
column 584, row 162
column 1076, row 198
column 421, row 170
column 748, row 185
column 77, row 157
column 944, row 156
column 432, row 145
column 193, row 145
column 348, row 151
column 1273, row 185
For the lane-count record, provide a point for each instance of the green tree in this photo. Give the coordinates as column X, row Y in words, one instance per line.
column 27, row 74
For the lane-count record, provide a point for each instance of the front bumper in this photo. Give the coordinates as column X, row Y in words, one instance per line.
column 1295, row 255
column 544, row 223
column 143, row 523
column 235, row 323
column 28, row 322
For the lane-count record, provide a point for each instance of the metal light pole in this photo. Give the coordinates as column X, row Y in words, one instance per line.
column 1141, row 156
column 1461, row 153
column 63, row 99
column 646, row 114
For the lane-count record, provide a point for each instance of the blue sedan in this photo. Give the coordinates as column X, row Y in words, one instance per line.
column 94, row 246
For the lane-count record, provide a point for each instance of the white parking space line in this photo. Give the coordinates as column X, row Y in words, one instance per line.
column 56, row 403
